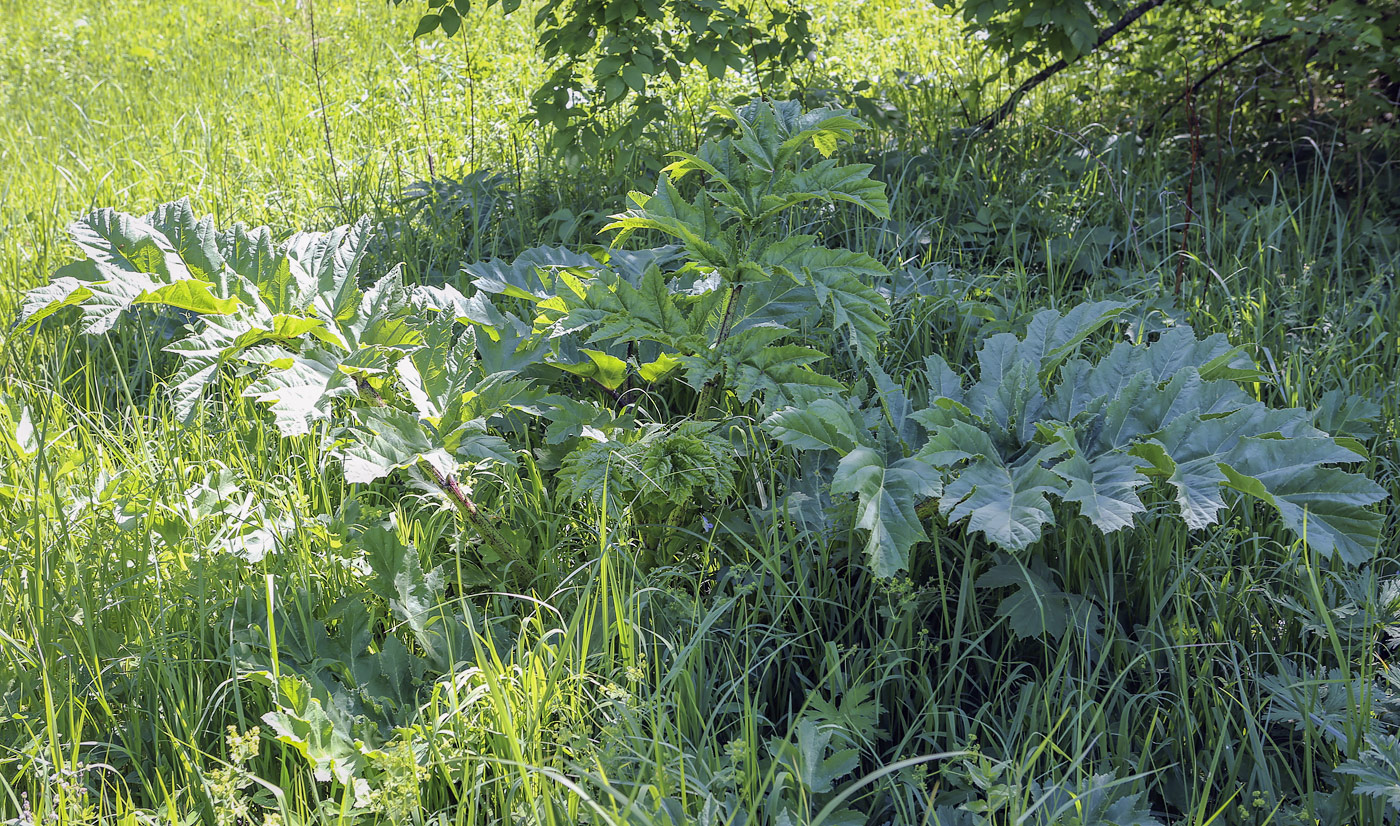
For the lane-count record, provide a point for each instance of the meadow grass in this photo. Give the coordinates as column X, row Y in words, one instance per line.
column 602, row 694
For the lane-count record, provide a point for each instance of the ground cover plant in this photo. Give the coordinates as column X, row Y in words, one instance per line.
column 815, row 445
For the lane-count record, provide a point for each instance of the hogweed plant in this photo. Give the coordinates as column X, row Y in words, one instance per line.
column 618, row 379
column 1042, row 423
column 568, row 350
column 428, row 381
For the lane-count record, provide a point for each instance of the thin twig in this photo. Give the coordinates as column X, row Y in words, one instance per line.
column 1217, row 69
column 1194, row 126
column 321, row 97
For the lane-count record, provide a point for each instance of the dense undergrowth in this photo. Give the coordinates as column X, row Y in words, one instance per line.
column 934, row 481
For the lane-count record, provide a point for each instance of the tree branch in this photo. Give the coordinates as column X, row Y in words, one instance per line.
column 1002, row 112
column 1205, row 78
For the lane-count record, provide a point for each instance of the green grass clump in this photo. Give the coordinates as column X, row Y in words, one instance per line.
column 210, row 624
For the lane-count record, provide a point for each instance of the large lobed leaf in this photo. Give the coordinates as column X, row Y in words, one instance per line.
column 887, row 495
column 1039, row 423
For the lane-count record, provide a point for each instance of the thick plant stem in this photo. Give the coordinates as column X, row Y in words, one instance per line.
column 707, row 394
column 728, row 320
column 450, row 486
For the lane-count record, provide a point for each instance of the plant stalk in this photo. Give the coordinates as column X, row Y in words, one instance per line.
column 453, row 488
column 707, row 394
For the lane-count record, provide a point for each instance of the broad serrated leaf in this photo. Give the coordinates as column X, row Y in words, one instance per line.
column 220, row 339
column 193, row 296
column 887, row 495
column 832, row 181
column 1170, row 411
column 535, row 275
column 818, row 770
column 415, row 598
column 127, row 243
column 1326, row 506
column 303, row 724
column 570, row 419
column 1051, row 336
column 824, row 424
column 835, row 277
column 1007, row 504
column 194, row 239
column 943, row 383
column 1035, row 608
column 386, row 439
column 778, row 373
column 1104, row 487
column 1197, row 483
column 659, row 368
column 666, row 211
column 609, row 371
column 1377, row 770
column 68, row 288
column 302, row 392
column 1099, row 800
column 647, row 312
column 958, row 441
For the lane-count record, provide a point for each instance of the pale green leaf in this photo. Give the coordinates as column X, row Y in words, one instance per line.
column 887, row 495
column 1105, row 488
column 386, row 439
column 830, row 181
column 1008, row 505
column 824, row 424
column 302, row 392
column 609, row 371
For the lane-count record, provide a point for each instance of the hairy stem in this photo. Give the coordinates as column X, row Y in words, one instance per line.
column 453, row 488
column 728, row 320
column 449, row 485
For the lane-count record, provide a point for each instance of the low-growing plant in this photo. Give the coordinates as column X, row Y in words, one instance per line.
column 1040, row 423
column 630, row 382
column 430, row 381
